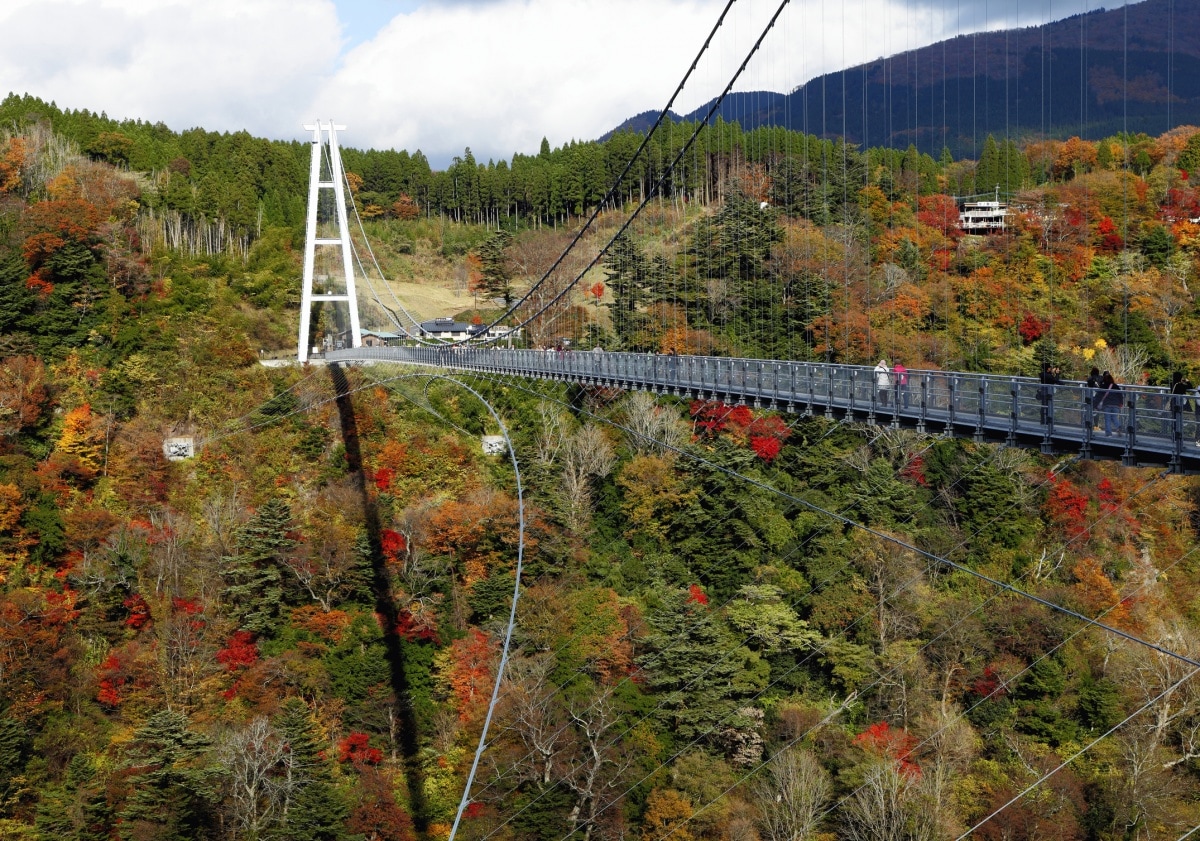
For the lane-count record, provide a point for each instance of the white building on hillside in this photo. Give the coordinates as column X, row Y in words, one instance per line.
column 982, row 217
column 449, row 330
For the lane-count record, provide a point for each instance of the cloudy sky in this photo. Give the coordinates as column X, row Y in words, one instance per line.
column 442, row 75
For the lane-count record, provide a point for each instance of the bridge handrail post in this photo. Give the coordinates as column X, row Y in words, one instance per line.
column 812, row 388
column 1048, row 420
column 791, row 386
column 1176, row 463
column 1089, row 422
column 854, row 396
column 981, row 412
column 829, row 395
column 1128, row 458
column 924, row 403
column 1014, row 412
column 951, row 402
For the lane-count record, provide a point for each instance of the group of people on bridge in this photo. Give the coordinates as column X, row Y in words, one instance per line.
column 889, row 377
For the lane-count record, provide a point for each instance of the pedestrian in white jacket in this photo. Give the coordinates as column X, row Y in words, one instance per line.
column 883, row 381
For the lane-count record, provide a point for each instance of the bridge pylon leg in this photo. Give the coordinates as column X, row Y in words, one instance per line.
column 325, row 173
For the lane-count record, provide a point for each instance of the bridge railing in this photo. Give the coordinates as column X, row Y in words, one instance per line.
column 1138, row 418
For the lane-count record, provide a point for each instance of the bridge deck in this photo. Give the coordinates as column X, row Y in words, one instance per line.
column 1152, row 428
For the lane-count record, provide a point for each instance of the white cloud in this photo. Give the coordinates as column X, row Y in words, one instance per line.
column 224, row 65
column 499, row 75
column 496, row 76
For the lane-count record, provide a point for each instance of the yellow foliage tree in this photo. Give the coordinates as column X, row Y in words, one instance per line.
column 82, row 436
column 1096, row 593
column 652, row 489
column 667, row 813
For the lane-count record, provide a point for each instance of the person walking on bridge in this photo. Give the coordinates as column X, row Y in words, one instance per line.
column 1183, row 390
column 901, row 384
column 1109, row 402
column 883, row 381
column 1049, row 379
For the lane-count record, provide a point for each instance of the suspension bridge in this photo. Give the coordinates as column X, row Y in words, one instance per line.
column 1153, row 428
column 1142, row 426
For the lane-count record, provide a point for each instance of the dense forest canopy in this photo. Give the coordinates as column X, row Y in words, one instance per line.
column 734, row 622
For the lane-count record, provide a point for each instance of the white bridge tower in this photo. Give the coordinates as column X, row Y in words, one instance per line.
column 326, row 174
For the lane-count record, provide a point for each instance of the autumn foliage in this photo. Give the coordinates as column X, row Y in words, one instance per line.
column 356, row 748
column 764, row 435
column 692, row 602
column 470, row 672
column 892, row 743
column 239, row 651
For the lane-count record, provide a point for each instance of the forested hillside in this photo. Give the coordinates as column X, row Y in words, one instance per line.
column 734, row 623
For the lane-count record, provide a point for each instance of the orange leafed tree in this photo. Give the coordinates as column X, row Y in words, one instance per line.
column 22, row 393
column 469, row 672
column 12, row 158
column 406, row 207
column 1096, row 593
column 48, row 227
column 479, row 534
column 82, row 437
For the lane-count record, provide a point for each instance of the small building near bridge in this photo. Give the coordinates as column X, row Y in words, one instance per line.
column 449, row 330
column 982, row 217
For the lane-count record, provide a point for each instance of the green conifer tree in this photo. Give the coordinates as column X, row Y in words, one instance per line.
column 314, row 810
column 988, row 174
column 628, row 276
column 254, row 576
column 172, row 782
column 698, row 669
column 496, row 277
column 77, row 809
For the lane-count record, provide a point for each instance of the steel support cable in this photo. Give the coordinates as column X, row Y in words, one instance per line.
column 816, row 587
column 854, row 694
column 637, row 211
column 816, row 509
column 1085, row 749
column 841, row 707
column 898, row 590
column 615, row 189
column 512, row 614
column 1001, row 686
column 375, row 263
column 734, row 473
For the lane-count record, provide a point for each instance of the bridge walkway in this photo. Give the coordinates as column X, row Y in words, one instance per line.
column 1153, row 428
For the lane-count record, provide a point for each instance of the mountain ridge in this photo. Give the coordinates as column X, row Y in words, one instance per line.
column 1094, row 74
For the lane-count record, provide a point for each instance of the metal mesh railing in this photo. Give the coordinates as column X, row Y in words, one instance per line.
column 1141, row 425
